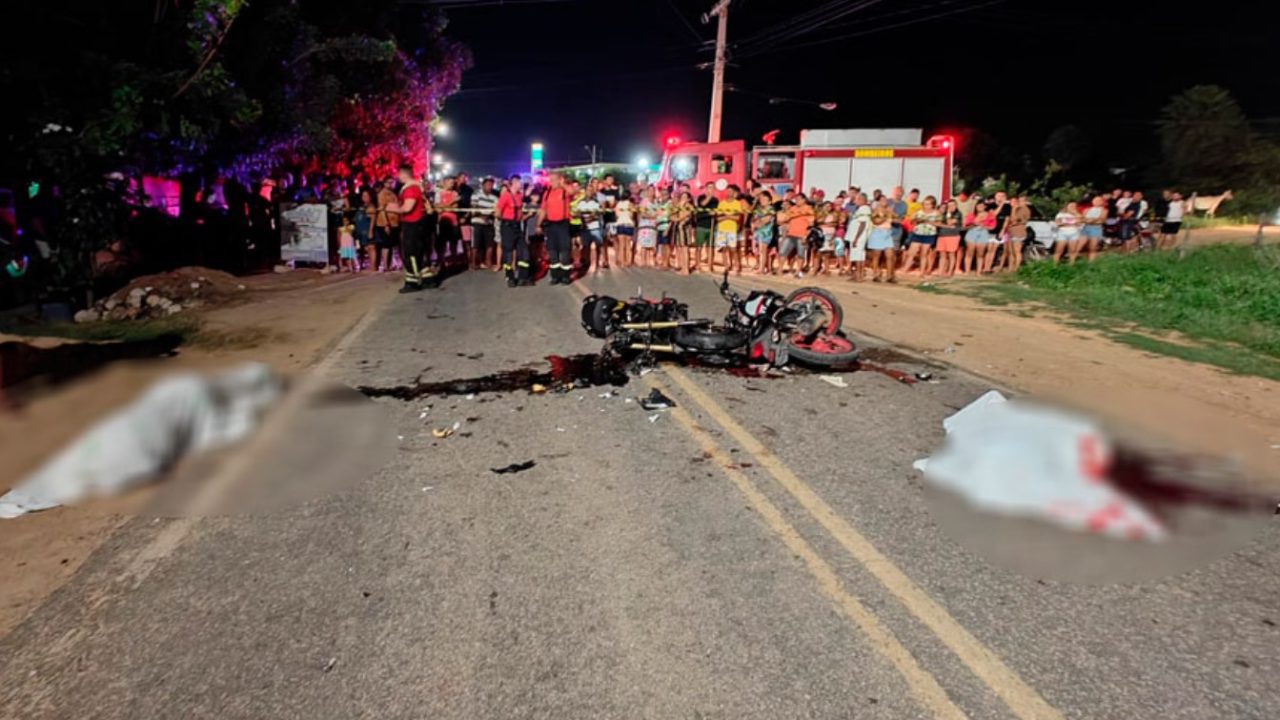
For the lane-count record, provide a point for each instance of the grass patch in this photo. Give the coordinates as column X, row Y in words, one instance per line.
column 112, row 330
column 1223, row 299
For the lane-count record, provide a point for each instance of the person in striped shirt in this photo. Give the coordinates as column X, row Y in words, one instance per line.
column 483, row 248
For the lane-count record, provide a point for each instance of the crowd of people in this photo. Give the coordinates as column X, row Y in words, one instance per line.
column 516, row 224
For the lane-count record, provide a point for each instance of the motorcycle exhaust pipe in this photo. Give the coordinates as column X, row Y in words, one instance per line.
column 654, row 348
column 664, row 325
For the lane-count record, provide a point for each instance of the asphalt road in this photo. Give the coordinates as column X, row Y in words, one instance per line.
column 761, row 551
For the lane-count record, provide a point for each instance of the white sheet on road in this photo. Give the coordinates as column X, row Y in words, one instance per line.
column 176, row 416
column 1032, row 461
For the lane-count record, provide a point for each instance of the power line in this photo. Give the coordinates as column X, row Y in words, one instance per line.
column 882, row 28
column 685, row 21
column 777, row 38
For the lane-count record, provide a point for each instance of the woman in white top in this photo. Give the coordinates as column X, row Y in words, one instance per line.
column 1094, row 220
column 1069, row 238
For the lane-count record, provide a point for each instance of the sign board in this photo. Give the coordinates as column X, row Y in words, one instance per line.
column 304, row 233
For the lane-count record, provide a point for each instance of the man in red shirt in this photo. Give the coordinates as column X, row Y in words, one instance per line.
column 515, row 246
column 412, row 207
column 553, row 220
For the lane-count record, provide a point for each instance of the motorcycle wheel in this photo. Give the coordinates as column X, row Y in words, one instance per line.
column 823, row 351
column 709, row 339
column 827, row 301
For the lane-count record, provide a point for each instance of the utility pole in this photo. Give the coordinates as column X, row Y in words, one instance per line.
column 721, row 10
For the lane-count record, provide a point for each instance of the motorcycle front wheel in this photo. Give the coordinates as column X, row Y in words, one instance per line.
column 824, row 300
column 823, row 350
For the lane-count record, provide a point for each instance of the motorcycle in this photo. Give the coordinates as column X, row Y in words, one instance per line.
column 765, row 326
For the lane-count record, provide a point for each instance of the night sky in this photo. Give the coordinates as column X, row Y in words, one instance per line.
column 620, row 73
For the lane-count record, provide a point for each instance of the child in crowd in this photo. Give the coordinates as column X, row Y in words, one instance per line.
column 347, row 246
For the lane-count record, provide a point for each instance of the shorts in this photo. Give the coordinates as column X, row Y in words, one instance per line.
column 625, row 230
column 856, row 253
column 1128, row 229
column 926, row 240
column 828, row 242
column 948, row 243
column 764, row 236
column 897, row 233
column 591, row 236
column 1067, row 235
column 387, row 237
column 880, row 239
column 702, row 237
column 647, row 238
column 726, row 239
column 1093, row 232
column 482, row 237
column 1170, row 228
column 664, row 238
column 977, row 236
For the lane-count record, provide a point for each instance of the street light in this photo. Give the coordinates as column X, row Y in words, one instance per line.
column 442, row 129
column 642, row 161
column 437, row 158
column 448, row 168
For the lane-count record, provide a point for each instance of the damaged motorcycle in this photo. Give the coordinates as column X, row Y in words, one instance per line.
column 764, row 326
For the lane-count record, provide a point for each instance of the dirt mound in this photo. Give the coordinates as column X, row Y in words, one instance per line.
column 165, row 294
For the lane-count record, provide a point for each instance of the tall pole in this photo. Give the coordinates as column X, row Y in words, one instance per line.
column 721, row 10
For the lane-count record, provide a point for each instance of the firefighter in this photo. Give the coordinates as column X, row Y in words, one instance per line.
column 553, row 221
column 412, row 207
column 515, row 247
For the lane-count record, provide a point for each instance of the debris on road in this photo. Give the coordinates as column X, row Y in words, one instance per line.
column 330, row 665
column 538, row 388
column 654, row 418
column 924, row 376
column 657, row 401
column 441, row 433
column 834, row 380
column 514, row 468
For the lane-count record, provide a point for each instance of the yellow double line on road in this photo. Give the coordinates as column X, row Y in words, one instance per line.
column 1017, row 695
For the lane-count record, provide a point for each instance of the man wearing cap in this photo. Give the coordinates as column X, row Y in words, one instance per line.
column 553, row 223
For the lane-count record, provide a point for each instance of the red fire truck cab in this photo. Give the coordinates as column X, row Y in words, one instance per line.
column 829, row 160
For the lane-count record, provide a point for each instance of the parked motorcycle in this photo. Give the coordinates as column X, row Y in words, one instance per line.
column 765, row 326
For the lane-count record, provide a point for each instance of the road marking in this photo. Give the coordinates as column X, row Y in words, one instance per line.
column 920, row 682
column 1020, row 697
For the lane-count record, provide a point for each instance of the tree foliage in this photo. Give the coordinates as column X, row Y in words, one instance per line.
column 1204, row 137
column 217, row 86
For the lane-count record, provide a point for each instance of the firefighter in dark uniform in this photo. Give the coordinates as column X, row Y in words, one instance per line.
column 515, row 247
column 553, row 219
column 412, row 207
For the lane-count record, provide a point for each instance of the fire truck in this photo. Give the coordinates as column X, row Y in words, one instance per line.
column 828, row 160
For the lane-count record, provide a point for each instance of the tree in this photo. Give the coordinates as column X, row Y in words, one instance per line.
column 1068, row 147
column 1205, row 138
column 213, row 86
